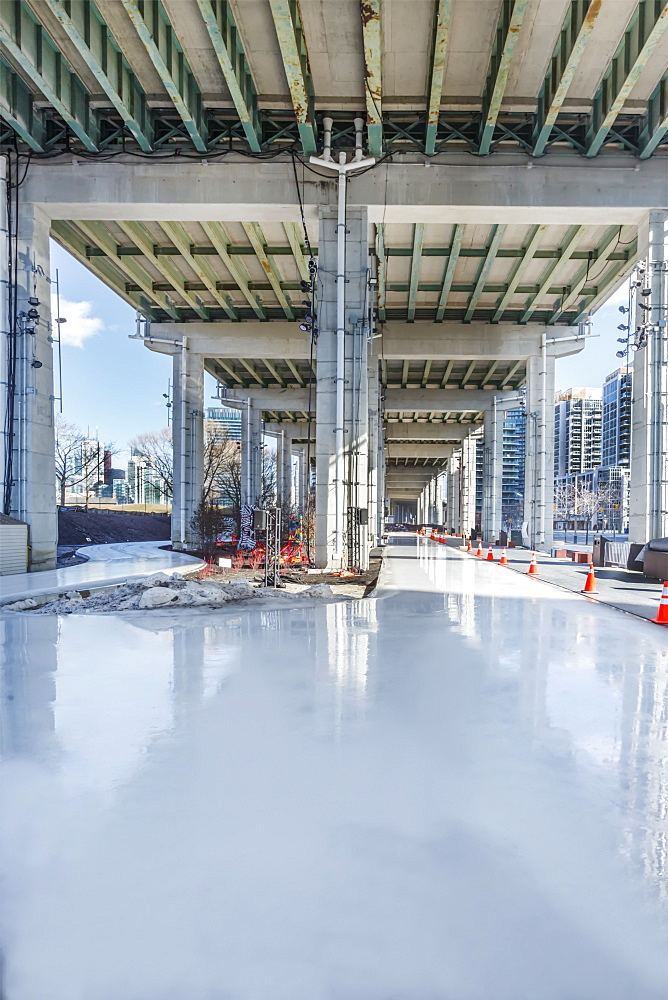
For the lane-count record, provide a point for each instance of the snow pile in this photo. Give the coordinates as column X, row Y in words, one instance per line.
column 165, row 591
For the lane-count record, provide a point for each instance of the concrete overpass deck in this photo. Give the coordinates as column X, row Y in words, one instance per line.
column 453, row 790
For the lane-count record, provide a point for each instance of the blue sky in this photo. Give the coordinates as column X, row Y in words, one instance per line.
column 113, row 386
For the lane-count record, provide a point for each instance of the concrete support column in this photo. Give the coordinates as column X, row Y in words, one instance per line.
column 188, row 444
column 341, row 485
column 468, row 484
column 539, row 455
column 251, row 454
column 648, row 508
column 375, row 498
column 440, row 497
column 28, row 478
column 454, row 492
column 492, row 484
column 284, row 473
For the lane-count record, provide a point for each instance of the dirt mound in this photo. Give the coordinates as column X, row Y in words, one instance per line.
column 96, row 527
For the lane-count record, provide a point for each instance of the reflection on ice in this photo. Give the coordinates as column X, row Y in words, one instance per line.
column 455, row 792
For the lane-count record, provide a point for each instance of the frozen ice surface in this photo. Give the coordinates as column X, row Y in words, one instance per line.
column 453, row 792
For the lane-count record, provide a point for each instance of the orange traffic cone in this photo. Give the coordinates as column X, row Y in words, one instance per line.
column 479, row 550
column 662, row 616
column 490, row 555
column 533, row 566
column 468, row 546
column 503, row 561
column 590, row 583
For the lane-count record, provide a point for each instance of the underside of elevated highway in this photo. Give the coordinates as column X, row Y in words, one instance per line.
column 376, row 224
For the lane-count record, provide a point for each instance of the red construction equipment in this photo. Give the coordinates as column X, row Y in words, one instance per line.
column 490, row 555
column 662, row 616
column 479, row 550
column 503, row 561
column 590, row 583
column 533, row 566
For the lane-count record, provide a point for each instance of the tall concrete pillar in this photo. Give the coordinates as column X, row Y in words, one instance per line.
column 492, row 485
column 375, row 497
column 468, row 483
column 251, row 454
column 341, row 484
column 539, row 453
column 648, row 508
column 28, row 469
column 284, row 471
column 440, row 498
column 188, row 445
column 454, row 492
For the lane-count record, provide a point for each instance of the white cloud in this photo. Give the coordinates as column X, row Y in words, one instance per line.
column 80, row 324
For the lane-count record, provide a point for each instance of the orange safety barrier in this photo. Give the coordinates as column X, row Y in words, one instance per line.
column 533, row 566
column 503, row 561
column 479, row 550
column 590, row 583
column 490, row 555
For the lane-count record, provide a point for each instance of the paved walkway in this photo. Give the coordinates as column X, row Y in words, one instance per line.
column 619, row 588
column 107, row 565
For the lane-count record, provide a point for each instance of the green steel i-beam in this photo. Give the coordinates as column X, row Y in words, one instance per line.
column 180, row 239
column 645, row 31
column 442, row 16
column 498, row 232
column 220, row 24
column 418, row 239
column 575, row 234
column 219, row 240
column 573, row 37
column 157, row 35
column 294, row 239
column 68, row 238
column 89, row 34
column 34, row 52
column 449, row 271
column 507, row 36
column 612, row 277
column 535, row 236
column 604, row 248
column 142, row 239
column 656, row 121
column 373, row 79
column 18, row 109
column 294, row 54
column 256, row 237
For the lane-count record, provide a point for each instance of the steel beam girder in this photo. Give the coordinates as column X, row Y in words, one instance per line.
column 159, row 39
column 418, row 239
column 507, row 35
column 36, row 54
column 224, row 36
column 450, row 271
column 529, row 252
column 611, row 278
column 256, row 237
column 373, row 80
column 201, row 268
column 18, row 109
column 102, row 267
column 605, row 247
column 656, row 120
column 645, row 30
column 100, row 236
column 442, row 16
column 573, row 237
column 498, row 233
column 89, row 34
column 577, row 27
column 294, row 54
column 141, row 237
column 218, row 237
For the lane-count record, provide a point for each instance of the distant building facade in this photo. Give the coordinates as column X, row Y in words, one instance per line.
column 616, row 419
column 223, row 421
column 512, row 499
column 577, row 431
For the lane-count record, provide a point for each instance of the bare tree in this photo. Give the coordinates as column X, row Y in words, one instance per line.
column 563, row 502
column 79, row 461
column 156, row 446
column 208, row 523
